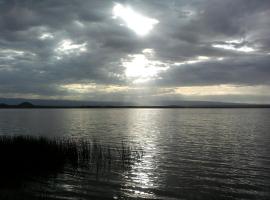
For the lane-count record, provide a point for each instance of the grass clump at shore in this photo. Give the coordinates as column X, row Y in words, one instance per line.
column 24, row 157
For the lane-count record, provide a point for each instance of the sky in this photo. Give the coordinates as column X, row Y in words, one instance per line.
column 139, row 51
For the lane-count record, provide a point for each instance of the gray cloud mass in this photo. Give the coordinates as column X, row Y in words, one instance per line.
column 47, row 44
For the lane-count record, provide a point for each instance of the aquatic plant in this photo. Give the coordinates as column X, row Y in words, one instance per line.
column 25, row 157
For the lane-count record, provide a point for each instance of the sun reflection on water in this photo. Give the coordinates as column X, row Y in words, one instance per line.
column 140, row 180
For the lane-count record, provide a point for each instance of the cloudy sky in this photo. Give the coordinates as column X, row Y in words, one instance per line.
column 140, row 50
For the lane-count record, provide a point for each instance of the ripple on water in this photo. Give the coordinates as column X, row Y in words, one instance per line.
column 188, row 153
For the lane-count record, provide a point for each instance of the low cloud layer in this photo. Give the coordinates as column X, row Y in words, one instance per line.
column 53, row 49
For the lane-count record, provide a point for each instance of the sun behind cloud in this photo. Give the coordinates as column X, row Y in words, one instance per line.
column 140, row 24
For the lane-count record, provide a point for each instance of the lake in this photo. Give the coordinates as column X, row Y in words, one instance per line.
column 188, row 153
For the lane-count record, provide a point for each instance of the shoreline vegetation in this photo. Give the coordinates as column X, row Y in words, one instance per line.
column 28, row 105
column 26, row 158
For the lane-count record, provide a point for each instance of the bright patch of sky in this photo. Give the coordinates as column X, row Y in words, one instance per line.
column 45, row 36
column 223, row 89
column 140, row 24
column 234, row 45
column 67, row 47
column 12, row 54
column 92, row 87
column 193, row 61
column 141, row 68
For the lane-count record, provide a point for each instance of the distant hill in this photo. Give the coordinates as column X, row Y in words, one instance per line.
column 26, row 105
column 21, row 105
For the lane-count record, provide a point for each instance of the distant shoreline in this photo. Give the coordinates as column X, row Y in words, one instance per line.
column 130, row 107
column 66, row 104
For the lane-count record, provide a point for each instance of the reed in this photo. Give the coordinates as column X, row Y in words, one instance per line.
column 29, row 156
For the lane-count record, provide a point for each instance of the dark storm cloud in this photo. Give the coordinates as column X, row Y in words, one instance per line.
column 186, row 30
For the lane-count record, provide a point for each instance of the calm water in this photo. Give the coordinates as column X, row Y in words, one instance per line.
column 188, row 153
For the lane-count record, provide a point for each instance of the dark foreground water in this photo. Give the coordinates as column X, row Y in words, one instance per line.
column 188, row 153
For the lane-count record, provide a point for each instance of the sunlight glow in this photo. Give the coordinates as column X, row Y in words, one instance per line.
column 140, row 24
column 140, row 68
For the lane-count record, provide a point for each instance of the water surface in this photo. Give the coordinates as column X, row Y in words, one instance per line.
column 188, row 153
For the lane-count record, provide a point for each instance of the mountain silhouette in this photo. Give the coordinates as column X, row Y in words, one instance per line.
column 26, row 105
